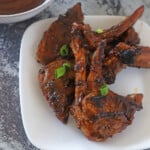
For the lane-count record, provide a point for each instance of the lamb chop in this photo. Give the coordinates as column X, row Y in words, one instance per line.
column 99, row 115
column 129, row 37
column 57, row 88
column 124, row 55
column 115, row 31
column 119, row 57
column 58, row 35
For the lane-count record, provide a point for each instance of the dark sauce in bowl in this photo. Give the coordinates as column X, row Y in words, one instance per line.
column 8, row 7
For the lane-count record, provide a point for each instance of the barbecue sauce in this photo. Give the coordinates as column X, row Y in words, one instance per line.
column 8, row 7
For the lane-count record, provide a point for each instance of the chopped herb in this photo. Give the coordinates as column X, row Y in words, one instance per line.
column 67, row 65
column 104, row 90
column 64, row 50
column 99, row 31
column 59, row 72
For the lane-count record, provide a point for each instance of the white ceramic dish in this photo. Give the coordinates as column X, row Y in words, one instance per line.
column 24, row 15
column 42, row 127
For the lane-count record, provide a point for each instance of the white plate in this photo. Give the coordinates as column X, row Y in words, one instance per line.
column 42, row 127
column 24, row 15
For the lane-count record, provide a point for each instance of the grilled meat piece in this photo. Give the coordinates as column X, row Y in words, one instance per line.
column 142, row 59
column 99, row 117
column 58, row 92
column 102, row 117
column 115, row 31
column 130, row 37
column 78, row 30
column 121, row 56
column 58, row 34
column 124, row 55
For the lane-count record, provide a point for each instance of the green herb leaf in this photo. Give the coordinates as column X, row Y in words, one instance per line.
column 59, row 72
column 64, row 50
column 67, row 65
column 99, row 31
column 104, row 90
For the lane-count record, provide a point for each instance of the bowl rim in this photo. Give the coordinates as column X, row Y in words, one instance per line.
column 28, row 11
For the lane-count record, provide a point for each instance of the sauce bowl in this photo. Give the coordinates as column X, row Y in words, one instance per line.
column 12, row 18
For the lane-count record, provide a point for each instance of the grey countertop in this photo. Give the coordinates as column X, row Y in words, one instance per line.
column 12, row 135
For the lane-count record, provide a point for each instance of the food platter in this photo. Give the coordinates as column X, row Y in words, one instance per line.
column 42, row 127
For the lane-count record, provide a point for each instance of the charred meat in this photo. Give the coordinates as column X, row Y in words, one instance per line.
column 130, row 37
column 59, row 92
column 119, row 57
column 99, row 116
column 115, row 31
column 58, row 34
column 142, row 59
column 77, row 82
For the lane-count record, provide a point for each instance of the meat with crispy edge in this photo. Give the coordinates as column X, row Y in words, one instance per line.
column 58, row 34
column 119, row 57
column 129, row 37
column 115, row 31
column 124, row 55
column 99, row 117
column 142, row 59
column 58, row 92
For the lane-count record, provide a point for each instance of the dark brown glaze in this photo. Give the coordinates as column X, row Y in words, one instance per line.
column 115, row 31
column 121, row 56
column 142, row 60
column 129, row 37
column 58, row 34
column 58, row 92
column 8, row 7
column 99, row 117
column 102, row 117
column 80, row 70
column 111, row 68
column 95, row 76
column 78, row 30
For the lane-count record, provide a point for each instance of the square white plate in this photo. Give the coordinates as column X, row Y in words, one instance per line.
column 42, row 127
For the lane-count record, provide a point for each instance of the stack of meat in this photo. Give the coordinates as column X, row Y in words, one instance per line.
column 80, row 63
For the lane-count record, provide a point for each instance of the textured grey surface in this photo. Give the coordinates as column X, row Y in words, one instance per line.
column 12, row 135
